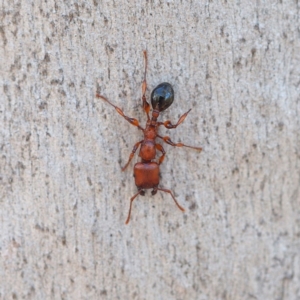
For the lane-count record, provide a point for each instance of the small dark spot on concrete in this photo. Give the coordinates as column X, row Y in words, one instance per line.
column 280, row 126
column 103, row 293
column 5, row 88
column 39, row 227
column 21, row 165
column 253, row 52
column 254, row 146
column 195, row 287
column 71, row 16
column 89, row 181
column 228, row 124
column 262, row 184
column 62, row 92
column 43, row 105
column 54, row 82
column 109, row 49
column 235, row 170
column 238, row 64
column 16, row 18
column 222, row 31
column 193, row 206
column 82, row 83
column 47, row 58
column 2, row 32
column 14, row 296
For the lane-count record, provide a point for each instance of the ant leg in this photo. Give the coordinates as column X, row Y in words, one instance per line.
column 160, row 148
column 131, row 200
column 168, row 123
column 132, row 121
column 135, row 147
column 167, row 191
column 146, row 105
column 168, row 141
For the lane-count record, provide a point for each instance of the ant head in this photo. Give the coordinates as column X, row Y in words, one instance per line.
column 162, row 96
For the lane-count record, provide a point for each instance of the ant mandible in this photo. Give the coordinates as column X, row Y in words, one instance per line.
column 146, row 172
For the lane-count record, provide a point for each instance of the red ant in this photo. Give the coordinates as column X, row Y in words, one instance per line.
column 146, row 172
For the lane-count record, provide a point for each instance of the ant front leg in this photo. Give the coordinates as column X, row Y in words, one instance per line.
column 168, row 141
column 168, row 123
column 135, row 147
column 146, row 105
column 132, row 121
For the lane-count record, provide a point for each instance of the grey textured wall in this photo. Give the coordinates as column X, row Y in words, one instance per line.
column 64, row 199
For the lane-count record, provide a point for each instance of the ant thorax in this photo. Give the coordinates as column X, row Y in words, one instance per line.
column 151, row 131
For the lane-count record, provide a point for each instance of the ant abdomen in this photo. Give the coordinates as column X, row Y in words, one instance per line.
column 162, row 96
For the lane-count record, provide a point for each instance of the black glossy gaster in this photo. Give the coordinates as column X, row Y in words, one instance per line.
column 162, row 96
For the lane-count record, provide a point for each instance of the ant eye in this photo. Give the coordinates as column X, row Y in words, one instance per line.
column 162, row 96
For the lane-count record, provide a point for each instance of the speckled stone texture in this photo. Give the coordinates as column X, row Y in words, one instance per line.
column 63, row 197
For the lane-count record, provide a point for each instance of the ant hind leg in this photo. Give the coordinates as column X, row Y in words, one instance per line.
column 140, row 192
column 168, row 191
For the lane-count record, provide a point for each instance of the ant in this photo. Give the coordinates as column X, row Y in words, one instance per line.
column 146, row 172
